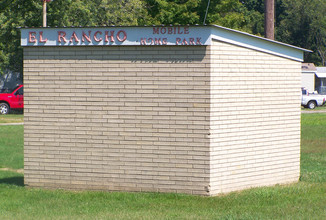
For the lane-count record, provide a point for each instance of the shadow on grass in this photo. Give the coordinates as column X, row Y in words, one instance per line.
column 16, row 181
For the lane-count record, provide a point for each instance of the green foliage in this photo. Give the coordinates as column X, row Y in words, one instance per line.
column 122, row 12
column 254, row 5
column 15, row 14
column 254, row 16
column 303, row 24
column 318, row 32
column 298, row 22
column 295, row 24
column 64, row 13
column 95, row 13
column 173, row 12
column 28, row 13
column 228, row 13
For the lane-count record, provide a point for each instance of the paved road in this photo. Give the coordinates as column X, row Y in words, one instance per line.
column 4, row 124
column 12, row 170
column 313, row 111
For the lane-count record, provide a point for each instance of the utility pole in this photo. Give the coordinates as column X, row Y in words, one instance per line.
column 44, row 11
column 269, row 19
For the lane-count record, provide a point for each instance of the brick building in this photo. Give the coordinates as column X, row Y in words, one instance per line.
column 188, row 109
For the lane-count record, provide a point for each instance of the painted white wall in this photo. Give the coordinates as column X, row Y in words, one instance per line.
column 308, row 81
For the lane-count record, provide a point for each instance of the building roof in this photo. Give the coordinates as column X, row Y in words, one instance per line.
column 191, row 35
column 258, row 43
column 308, row 68
column 321, row 72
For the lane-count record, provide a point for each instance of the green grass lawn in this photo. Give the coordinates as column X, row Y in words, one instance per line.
column 11, row 146
column 313, row 148
column 303, row 200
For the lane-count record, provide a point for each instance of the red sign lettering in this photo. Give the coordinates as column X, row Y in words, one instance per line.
column 74, row 37
column 61, row 36
column 186, row 30
column 153, row 41
column 41, row 38
column 111, row 36
column 184, row 42
column 198, row 42
column 156, row 30
column 171, row 30
column 32, row 37
column 95, row 36
column 105, row 37
column 191, row 41
column 188, row 41
column 87, row 37
column 124, row 36
column 177, row 41
column 143, row 41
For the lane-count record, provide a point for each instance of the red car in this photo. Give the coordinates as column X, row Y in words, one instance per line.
column 13, row 99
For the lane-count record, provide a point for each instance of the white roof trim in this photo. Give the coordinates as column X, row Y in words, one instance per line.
column 258, row 43
column 265, row 39
column 311, row 71
column 321, row 75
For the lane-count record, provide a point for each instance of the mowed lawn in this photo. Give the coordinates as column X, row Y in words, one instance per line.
column 303, row 200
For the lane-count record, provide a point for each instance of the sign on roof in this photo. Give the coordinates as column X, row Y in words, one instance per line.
column 171, row 35
column 155, row 36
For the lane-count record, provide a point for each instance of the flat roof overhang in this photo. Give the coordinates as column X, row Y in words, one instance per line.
column 189, row 35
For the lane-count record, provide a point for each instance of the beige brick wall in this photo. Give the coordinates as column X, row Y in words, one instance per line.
column 255, row 118
column 163, row 119
column 117, row 118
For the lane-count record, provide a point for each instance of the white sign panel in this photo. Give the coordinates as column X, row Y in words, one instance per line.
column 106, row 36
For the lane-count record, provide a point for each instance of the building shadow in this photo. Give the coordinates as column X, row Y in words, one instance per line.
column 16, row 181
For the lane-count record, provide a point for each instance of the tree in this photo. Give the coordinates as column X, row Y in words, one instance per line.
column 320, row 37
column 303, row 24
column 298, row 22
column 318, row 33
column 254, row 16
column 96, row 12
column 28, row 13
column 228, row 13
column 122, row 12
column 173, row 12
column 15, row 14
column 71, row 13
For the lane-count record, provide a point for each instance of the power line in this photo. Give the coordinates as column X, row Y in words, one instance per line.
column 206, row 11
